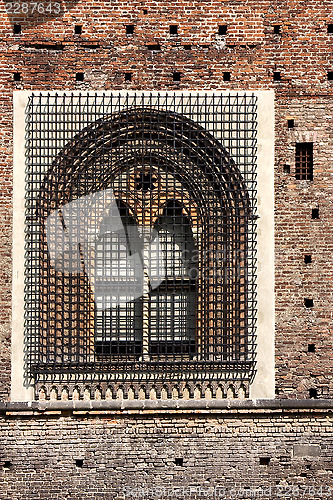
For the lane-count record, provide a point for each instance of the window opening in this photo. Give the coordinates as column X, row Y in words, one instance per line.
column 304, row 161
column 154, row 278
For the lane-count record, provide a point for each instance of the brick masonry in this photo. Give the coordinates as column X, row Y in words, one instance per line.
column 217, row 449
column 225, row 454
column 48, row 55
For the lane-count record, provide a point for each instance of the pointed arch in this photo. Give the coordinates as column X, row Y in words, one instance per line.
column 177, row 152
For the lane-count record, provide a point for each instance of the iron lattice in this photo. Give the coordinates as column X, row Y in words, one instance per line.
column 178, row 175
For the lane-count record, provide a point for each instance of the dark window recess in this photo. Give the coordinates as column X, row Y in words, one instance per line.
column 173, row 29
column 226, row 76
column 264, row 460
column 330, row 28
column 291, row 123
column 79, row 462
column 277, row 76
column 145, row 11
column 304, row 161
column 223, row 29
column 78, row 30
column 187, row 47
column 130, row 29
column 286, row 169
column 17, row 77
column 7, row 464
column 176, row 76
column 315, row 213
column 154, row 46
column 330, row 75
column 313, row 394
column 79, row 77
column 307, row 259
column 308, row 303
column 311, row 348
column 179, row 461
column 17, row 29
column 277, row 29
column 128, row 77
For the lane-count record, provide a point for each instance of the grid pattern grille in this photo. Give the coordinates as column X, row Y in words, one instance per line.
column 140, row 237
column 304, row 161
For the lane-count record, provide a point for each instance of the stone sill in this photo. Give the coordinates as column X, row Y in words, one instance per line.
column 198, row 407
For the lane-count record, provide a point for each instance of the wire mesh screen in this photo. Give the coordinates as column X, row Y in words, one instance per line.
column 140, row 237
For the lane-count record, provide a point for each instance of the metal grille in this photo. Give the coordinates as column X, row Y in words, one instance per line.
column 140, row 237
column 304, row 161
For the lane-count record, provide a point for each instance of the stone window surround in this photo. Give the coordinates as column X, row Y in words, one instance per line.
column 263, row 385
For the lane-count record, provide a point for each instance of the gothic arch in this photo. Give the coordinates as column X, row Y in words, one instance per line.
column 178, row 148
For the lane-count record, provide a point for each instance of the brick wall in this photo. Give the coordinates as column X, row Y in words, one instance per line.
column 48, row 55
column 103, row 455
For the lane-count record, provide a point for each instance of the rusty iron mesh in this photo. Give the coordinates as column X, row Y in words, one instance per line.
column 181, row 166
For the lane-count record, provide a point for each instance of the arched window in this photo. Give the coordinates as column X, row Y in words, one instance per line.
column 173, row 304
column 118, row 313
column 154, row 279
column 170, row 299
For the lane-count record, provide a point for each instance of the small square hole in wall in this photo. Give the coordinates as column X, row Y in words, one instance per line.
column 277, row 29
column 145, row 12
column 291, row 123
column 176, row 76
column 17, row 29
column 173, row 29
column 130, row 29
column 313, row 394
column 330, row 75
column 79, row 462
column 307, row 259
column 78, row 30
column 315, row 213
column 154, row 47
column 308, row 303
column 128, row 77
column 79, row 77
column 330, row 29
column 277, row 76
column 264, row 460
column 286, row 169
column 7, row 464
column 223, row 28
column 226, row 76
column 179, row 461
column 311, row 348
column 17, row 77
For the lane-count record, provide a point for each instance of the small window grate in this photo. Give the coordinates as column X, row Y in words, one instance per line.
column 304, row 161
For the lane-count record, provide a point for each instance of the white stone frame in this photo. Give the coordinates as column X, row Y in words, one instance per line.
column 263, row 385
